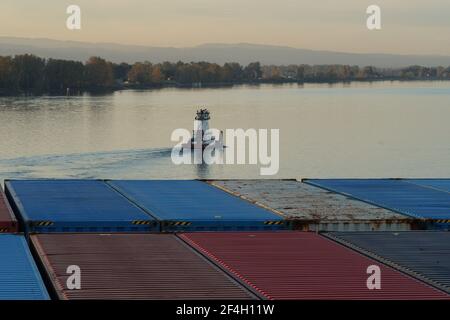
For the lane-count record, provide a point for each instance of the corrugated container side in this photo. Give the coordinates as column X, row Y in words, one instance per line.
column 19, row 276
column 424, row 255
column 304, row 265
column 188, row 205
column 8, row 222
column 309, row 208
column 397, row 195
column 133, row 266
column 49, row 205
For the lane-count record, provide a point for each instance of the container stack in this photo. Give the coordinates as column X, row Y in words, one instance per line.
column 304, row 265
column 19, row 275
column 229, row 239
column 426, row 200
column 309, row 208
column 421, row 254
column 8, row 222
column 75, row 206
column 182, row 205
column 149, row 266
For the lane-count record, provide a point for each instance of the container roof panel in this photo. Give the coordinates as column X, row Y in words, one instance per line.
column 298, row 200
column 19, row 276
column 425, row 254
column 133, row 266
column 304, row 265
column 194, row 201
column 398, row 195
column 8, row 222
column 75, row 202
column 439, row 184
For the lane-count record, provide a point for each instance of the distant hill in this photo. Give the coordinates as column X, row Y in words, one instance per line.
column 243, row 53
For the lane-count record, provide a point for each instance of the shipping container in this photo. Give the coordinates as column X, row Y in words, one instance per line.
column 189, row 205
column 8, row 222
column 75, row 206
column 439, row 184
column 310, row 208
column 19, row 275
column 132, row 266
column 422, row 254
column 305, row 265
column 428, row 204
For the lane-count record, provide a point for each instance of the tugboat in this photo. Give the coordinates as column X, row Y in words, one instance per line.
column 201, row 137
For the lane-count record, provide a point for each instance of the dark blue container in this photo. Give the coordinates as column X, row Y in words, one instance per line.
column 19, row 276
column 190, row 205
column 438, row 184
column 422, row 254
column 398, row 195
column 75, row 206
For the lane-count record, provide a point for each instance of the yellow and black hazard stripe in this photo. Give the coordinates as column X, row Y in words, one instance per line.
column 273, row 223
column 4, row 230
column 43, row 223
column 442, row 221
column 178, row 223
column 142, row 222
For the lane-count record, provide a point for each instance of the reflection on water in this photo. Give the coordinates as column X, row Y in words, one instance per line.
column 359, row 130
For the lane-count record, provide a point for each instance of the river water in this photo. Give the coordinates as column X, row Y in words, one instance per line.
column 383, row 129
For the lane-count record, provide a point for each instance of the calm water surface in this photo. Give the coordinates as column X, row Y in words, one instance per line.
column 385, row 129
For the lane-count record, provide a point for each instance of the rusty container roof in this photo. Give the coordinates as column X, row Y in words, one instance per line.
column 8, row 222
column 304, row 265
column 309, row 204
column 133, row 266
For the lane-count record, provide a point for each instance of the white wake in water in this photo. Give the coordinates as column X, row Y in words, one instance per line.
column 124, row 164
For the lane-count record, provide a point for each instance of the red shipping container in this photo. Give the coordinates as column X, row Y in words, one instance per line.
column 8, row 222
column 133, row 266
column 303, row 265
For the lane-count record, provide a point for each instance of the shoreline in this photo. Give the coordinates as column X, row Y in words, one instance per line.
column 207, row 86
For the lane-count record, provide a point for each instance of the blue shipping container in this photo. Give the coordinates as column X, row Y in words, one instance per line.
column 438, row 184
column 19, row 276
column 189, row 205
column 422, row 254
column 397, row 195
column 75, row 206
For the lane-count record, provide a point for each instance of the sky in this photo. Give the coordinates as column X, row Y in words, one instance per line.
column 408, row 27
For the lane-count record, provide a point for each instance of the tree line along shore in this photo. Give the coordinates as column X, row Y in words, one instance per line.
column 29, row 74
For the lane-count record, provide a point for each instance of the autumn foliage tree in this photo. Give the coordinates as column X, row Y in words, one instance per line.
column 24, row 74
column 141, row 73
column 98, row 73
